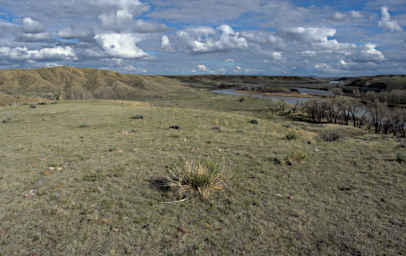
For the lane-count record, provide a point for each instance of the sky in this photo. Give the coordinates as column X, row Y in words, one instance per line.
column 182, row 37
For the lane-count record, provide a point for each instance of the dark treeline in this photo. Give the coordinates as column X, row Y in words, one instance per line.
column 367, row 112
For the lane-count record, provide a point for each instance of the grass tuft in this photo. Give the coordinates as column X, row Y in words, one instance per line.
column 84, row 125
column 196, row 176
column 330, row 136
column 291, row 136
column 401, row 157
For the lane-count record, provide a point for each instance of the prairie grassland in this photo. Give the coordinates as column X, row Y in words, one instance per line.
column 73, row 189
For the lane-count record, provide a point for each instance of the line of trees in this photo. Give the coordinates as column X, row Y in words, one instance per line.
column 373, row 115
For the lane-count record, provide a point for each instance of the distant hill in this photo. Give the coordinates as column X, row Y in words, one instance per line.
column 238, row 81
column 376, row 83
column 82, row 83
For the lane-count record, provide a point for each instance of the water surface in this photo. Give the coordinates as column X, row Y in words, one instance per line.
column 288, row 100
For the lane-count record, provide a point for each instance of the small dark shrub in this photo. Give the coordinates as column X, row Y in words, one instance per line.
column 175, row 127
column 330, row 136
column 6, row 120
column 84, row 125
column 291, row 136
column 401, row 157
column 33, row 106
column 137, row 117
column 253, row 121
column 277, row 161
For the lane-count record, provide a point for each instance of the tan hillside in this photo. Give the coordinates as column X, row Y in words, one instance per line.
column 83, row 83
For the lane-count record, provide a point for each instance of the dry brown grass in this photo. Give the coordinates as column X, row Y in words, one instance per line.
column 197, row 176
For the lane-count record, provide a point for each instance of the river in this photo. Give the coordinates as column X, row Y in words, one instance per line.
column 289, row 100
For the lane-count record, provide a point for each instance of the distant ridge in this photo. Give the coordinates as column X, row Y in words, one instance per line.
column 82, row 83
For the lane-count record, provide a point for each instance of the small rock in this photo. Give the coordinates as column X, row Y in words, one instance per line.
column 30, row 194
column 277, row 161
column 182, row 230
column 133, row 131
column 33, row 106
column 217, row 128
column 6, row 120
column 137, row 117
column 253, row 121
column 176, row 127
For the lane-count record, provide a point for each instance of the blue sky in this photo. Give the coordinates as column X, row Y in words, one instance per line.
column 268, row 37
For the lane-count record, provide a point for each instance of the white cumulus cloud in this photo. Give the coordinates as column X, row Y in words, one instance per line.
column 166, row 43
column 206, row 39
column 22, row 53
column 387, row 22
column 120, row 45
column 318, row 38
column 370, row 53
column 277, row 55
column 202, row 67
column 356, row 14
column 32, row 26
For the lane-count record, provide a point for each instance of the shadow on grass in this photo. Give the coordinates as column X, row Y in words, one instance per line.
column 160, row 183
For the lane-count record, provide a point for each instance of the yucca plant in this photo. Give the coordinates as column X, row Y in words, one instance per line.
column 197, row 176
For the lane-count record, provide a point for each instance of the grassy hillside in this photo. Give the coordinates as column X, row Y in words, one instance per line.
column 75, row 83
column 79, row 178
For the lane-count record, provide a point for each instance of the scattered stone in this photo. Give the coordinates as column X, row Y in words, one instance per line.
column 345, row 188
column 253, row 121
column 137, row 117
column 176, row 127
column 30, row 194
column 6, row 120
column 276, row 161
column 182, row 230
column 33, row 106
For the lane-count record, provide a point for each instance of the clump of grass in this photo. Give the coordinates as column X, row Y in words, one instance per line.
column 291, row 136
column 84, row 125
column 401, row 157
column 198, row 177
column 296, row 157
column 330, row 136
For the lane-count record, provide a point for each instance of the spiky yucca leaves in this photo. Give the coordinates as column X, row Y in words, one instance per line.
column 197, row 176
